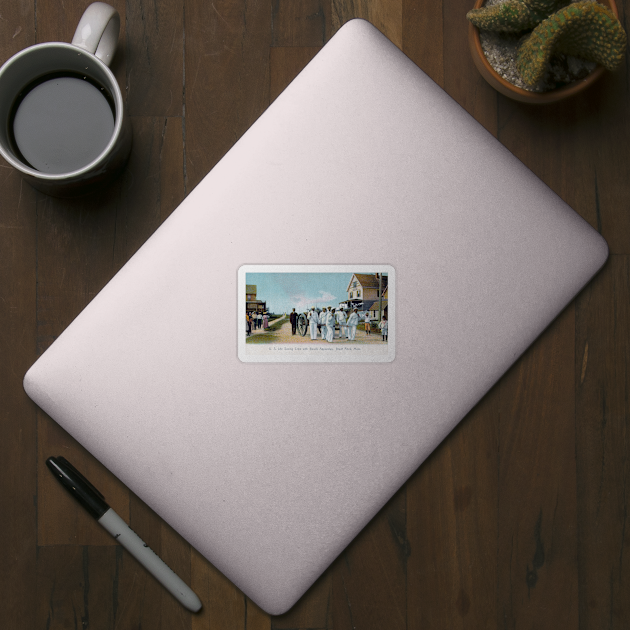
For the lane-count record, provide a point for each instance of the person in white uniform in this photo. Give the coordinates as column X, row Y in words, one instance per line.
column 330, row 325
column 312, row 318
column 353, row 322
column 322, row 322
column 341, row 320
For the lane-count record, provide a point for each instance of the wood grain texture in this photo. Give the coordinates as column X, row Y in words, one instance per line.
column 76, row 587
column 452, row 527
column 602, row 381
column 518, row 520
column 226, row 78
column 18, row 325
column 154, row 57
column 422, row 36
column 18, row 417
column 369, row 577
column 300, row 23
column 537, row 537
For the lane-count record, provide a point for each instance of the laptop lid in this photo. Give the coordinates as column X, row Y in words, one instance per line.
column 270, row 452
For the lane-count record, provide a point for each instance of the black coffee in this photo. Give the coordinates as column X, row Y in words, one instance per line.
column 62, row 123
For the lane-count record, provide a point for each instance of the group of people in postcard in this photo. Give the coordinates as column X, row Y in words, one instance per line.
column 325, row 322
column 254, row 321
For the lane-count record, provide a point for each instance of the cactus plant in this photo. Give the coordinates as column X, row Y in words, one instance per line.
column 583, row 29
column 513, row 16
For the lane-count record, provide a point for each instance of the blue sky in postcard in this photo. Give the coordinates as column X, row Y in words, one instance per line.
column 301, row 291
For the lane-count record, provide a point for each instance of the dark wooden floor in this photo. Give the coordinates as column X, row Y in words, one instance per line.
column 518, row 520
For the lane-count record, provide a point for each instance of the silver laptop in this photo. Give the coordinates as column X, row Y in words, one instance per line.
column 364, row 188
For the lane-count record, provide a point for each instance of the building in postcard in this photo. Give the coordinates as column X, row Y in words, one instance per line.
column 374, row 313
column 252, row 304
column 363, row 291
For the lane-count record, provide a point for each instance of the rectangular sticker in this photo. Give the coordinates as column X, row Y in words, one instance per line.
column 316, row 313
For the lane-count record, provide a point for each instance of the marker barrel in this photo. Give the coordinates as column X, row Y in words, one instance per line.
column 149, row 559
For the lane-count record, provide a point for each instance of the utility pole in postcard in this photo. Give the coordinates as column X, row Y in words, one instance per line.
column 380, row 296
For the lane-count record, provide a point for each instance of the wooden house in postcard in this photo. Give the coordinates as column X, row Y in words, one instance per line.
column 252, row 304
column 364, row 291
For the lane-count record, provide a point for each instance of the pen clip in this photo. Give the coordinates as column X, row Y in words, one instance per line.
column 65, row 463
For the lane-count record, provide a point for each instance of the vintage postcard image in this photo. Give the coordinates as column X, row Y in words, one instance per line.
column 316, row 313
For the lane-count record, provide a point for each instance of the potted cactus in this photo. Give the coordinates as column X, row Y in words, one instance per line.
column 557, row 48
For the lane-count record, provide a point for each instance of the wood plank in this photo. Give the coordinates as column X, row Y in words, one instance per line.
column 557, row 149
column 369, row 586
column 537, row 538
column 154, row 58
column 452, row 527
column 18, row 420
column 423, row 36
column 386, row 15
column 57, row 22
column 74, row 257
column 226, row 78
column 18, row 416
column 300, row 23
column 76, row 587
column 603, row 442
column 17, row 28
column 565, row 149
column 565, row 146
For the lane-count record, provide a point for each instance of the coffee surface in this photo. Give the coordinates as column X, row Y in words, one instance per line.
column 62, row 124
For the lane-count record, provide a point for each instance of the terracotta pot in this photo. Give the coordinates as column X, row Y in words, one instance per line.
column 512, row 91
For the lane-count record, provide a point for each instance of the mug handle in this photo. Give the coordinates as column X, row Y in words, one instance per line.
column 98, row 30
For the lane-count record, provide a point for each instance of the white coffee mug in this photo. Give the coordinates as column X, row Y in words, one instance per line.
column 62, row 114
